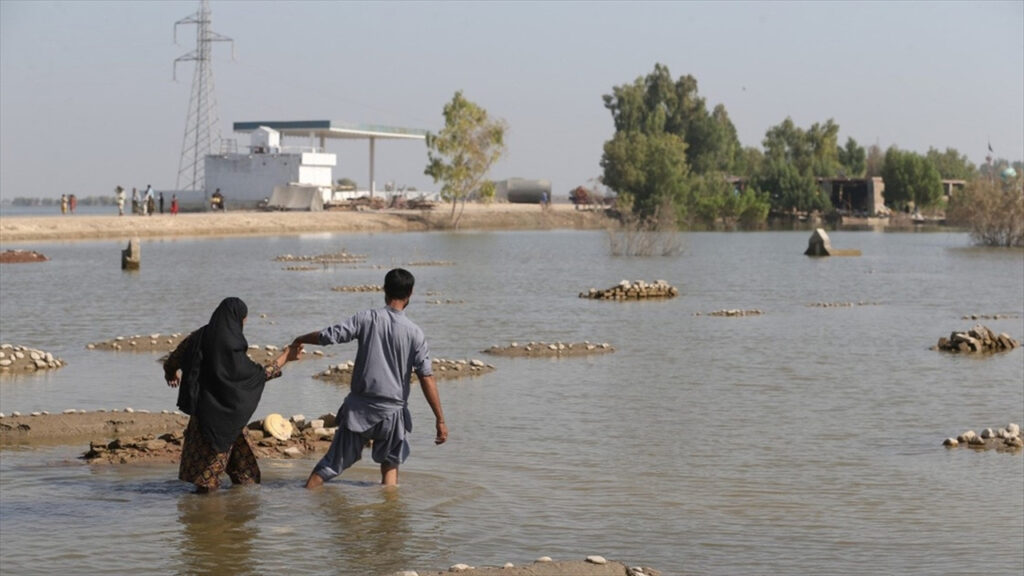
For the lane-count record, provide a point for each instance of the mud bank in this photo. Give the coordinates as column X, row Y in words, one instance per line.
column 475, row 217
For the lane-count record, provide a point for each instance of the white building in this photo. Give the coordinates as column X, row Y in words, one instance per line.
column 247, row 179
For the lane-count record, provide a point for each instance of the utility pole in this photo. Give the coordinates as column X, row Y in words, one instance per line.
column 202, row 122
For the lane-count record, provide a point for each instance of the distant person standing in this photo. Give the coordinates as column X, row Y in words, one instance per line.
column 161, row 202
column 174, row 204
column 148, row 201
column 63, row 204
column 119, row 194
column 135, row 200
column 72, row 203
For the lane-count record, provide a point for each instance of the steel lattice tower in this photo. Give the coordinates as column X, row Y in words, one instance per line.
column 202, row 123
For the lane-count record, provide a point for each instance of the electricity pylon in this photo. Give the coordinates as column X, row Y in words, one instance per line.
column 202, row 123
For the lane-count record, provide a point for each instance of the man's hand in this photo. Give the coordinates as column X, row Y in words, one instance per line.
column 294, row 350
column 442, row 432
column 174, row 383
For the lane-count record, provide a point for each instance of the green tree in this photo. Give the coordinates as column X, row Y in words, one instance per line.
column 951, row 164
column 461, row 155
column 658, row 104
column 813, row 151
column 910, row 177
column 789, row 190
column 646, row 171
column 715, row 200
column 664, row 133
column 852, row 158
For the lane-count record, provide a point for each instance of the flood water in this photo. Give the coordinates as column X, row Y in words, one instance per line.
column 806, row 440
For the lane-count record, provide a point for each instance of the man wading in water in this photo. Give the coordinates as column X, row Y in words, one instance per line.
column 391, row 347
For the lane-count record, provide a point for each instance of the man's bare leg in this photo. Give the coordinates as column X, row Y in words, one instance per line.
column 314, row 481
column 389, row 474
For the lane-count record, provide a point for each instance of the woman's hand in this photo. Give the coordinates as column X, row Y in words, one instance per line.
column 176, row 381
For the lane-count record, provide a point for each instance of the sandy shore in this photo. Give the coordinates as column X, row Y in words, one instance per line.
column 501, row 216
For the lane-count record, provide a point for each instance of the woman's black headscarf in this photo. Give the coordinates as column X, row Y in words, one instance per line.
column 230, row 383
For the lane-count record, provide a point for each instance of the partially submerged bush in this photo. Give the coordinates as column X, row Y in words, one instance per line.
column 993, row 211
column 640, row 236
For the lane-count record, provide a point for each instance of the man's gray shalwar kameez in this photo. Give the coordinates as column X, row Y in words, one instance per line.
column 391, row 348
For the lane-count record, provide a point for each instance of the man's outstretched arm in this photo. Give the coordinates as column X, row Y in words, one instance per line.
column 311, row 338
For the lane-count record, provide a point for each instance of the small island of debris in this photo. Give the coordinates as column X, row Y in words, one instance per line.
column 549, row 350
column 443, row 370
column 637, row 290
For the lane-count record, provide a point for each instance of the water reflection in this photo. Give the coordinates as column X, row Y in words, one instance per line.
column 371, row 523
column 218, row 530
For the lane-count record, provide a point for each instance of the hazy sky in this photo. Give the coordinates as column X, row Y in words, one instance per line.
column 87, row 101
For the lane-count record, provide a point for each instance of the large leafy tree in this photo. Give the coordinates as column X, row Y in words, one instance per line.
column 910, row 177
column 663, row 133
column 852, row 158
column 462, row 153
column 793, row 160
column 789, row 189
column 715, row 199
column 812, row 152
column 649, row 172
column 951, row 164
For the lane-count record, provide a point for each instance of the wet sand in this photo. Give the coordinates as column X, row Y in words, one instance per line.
column 501, row 216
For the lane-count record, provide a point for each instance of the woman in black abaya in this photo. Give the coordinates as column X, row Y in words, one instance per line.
column 221, row 397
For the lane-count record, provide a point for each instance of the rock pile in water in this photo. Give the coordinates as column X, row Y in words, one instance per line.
column 841, row 304
column 359, row 288
column 309, row 437
column 977, row 339
column 24, row 359
column 21, row 256
column 140, row 343
column 431, row 263
column 168, row 342
column 443, row 370
column 341, row 257
column 636, row 290
column 732, row 312
column 550, row 350
column 990, row 317
column 1003, row 439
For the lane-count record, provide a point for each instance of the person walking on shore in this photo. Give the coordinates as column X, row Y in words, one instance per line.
column 149, row 202
column 220, row 387
column 119, row 194
column 174, row 204
column 135, row 200
column 391, row 348
column 161, row 202
column 63, row 203
column 72, row 203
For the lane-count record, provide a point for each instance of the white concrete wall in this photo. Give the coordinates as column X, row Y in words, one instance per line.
column 318, row 175
column 246, row 179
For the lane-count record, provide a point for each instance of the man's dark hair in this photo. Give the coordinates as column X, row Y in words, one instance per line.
column 398, row 284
